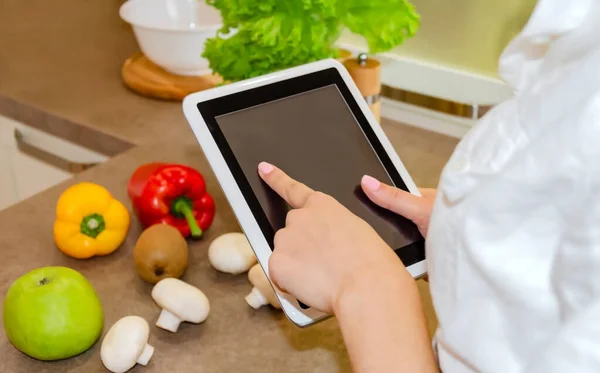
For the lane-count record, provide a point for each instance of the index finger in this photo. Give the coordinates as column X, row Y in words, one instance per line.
column 293, row 192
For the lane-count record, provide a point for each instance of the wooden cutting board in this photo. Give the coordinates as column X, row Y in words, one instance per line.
column 146, row 78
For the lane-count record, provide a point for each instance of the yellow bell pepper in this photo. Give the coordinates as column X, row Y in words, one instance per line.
column 89, row 221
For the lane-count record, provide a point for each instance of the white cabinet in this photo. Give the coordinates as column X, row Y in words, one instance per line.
column 8, row 187
column 33, row 162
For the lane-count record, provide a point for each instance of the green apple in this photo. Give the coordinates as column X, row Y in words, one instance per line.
column 52, row 313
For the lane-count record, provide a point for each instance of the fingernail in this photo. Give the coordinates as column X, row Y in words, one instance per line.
column 371, row 183
column 265, row 168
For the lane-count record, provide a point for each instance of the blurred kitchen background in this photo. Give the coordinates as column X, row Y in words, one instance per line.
column 441, row 80
column 445, row 77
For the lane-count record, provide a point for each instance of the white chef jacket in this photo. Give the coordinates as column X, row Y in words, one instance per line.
column 514, row 242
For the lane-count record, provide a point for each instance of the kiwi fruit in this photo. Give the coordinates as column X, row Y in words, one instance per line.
column 160, row 252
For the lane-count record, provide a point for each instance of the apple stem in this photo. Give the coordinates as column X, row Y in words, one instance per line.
column 44, row 281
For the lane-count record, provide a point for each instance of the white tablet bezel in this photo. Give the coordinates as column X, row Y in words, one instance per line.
column 300, row 317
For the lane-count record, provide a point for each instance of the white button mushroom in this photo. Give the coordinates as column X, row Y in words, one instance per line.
column 231, row 253
column 262, row 293
column 180, row 302
column 126, row 344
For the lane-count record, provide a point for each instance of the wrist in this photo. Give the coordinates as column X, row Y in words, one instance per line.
column 380, row 314
column 374, row 285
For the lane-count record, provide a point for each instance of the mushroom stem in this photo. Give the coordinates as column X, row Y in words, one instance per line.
column 256, row 299
column 168, row 321
column 146, row 355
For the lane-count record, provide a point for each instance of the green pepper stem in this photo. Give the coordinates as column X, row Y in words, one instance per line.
column 92, row 225
column 183, row 206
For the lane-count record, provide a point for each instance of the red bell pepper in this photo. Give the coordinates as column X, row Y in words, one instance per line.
column 171, row 194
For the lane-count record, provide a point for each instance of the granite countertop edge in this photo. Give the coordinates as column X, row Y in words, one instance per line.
column 63, row 128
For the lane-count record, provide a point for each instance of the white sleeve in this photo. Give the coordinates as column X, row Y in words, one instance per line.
column 576, row 347
column 574, row 277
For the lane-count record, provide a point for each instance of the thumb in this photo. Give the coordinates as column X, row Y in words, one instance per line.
column 278, row 268
column 396, row 200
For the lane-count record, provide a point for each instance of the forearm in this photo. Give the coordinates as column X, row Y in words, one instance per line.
column 384, row 326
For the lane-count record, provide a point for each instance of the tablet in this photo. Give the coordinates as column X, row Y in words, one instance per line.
column 312, row 122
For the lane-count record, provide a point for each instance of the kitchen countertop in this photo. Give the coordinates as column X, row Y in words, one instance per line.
column 60, row 72
column 235, row 337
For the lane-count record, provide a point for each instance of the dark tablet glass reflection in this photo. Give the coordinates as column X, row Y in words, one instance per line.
column 315, row 138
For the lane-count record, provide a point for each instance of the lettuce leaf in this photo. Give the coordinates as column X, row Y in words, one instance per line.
column 259, row 37
column 385, row 24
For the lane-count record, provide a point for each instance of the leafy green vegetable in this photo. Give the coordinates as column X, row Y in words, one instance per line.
column 385, row 24
column 262, row 36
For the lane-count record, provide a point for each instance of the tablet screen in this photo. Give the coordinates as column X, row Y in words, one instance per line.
column 315, row 138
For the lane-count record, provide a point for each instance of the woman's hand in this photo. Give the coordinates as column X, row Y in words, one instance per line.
column 334, row 261
column 325, row 251
column 415, row 208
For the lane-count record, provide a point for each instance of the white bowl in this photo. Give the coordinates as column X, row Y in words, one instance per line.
column 171, row 33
